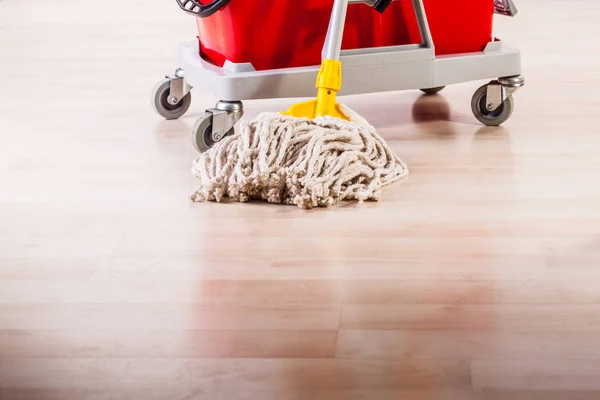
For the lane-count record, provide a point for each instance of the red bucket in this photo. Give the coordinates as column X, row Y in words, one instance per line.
column 283, row 33
column 457, row 26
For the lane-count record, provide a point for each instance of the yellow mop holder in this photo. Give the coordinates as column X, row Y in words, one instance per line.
column 329, row 82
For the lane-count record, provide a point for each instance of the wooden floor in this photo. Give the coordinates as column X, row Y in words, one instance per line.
column 478, row 277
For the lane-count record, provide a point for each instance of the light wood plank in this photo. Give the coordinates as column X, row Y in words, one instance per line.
column 167, row 343
column 40, row 227
column 365, row 247
column 538, row 345
column 247, row 374
column 546, row 317
column 296, row 291
column 378, row 226
column 42, row 247
column 167, row 316
column 561, row 374
column 551, row 267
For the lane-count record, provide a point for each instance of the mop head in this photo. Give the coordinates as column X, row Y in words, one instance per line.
column 288, row 160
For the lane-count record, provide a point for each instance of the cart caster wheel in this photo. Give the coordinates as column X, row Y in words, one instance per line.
column 434, row 90
column 490, row 118
column 160, row 101
column 202, row 133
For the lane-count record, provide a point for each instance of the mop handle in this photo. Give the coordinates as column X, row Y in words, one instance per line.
column 335, row 31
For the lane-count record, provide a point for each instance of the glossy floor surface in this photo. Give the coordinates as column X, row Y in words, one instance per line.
column 477, row 277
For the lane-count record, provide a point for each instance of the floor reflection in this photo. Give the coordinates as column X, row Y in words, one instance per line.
column 429, row 108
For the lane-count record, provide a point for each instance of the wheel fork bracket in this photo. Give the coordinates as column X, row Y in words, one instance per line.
column 179, row 87
column 224, row 116
column 219, row 123
column 498, row 91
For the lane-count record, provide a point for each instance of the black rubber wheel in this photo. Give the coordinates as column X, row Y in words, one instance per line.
column 160, row 103
column 202, row 133
column 490, row 118
column 434, row 90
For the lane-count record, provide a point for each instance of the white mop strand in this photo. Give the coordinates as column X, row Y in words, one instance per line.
column 309, row 163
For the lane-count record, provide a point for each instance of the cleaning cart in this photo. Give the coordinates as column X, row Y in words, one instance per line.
column 264, row 49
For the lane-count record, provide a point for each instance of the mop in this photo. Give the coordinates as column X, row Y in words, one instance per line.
column 316, row 154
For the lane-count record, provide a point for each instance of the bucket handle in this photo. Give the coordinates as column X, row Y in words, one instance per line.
column 505, row 7
column 193, row 7
column 381, row 5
